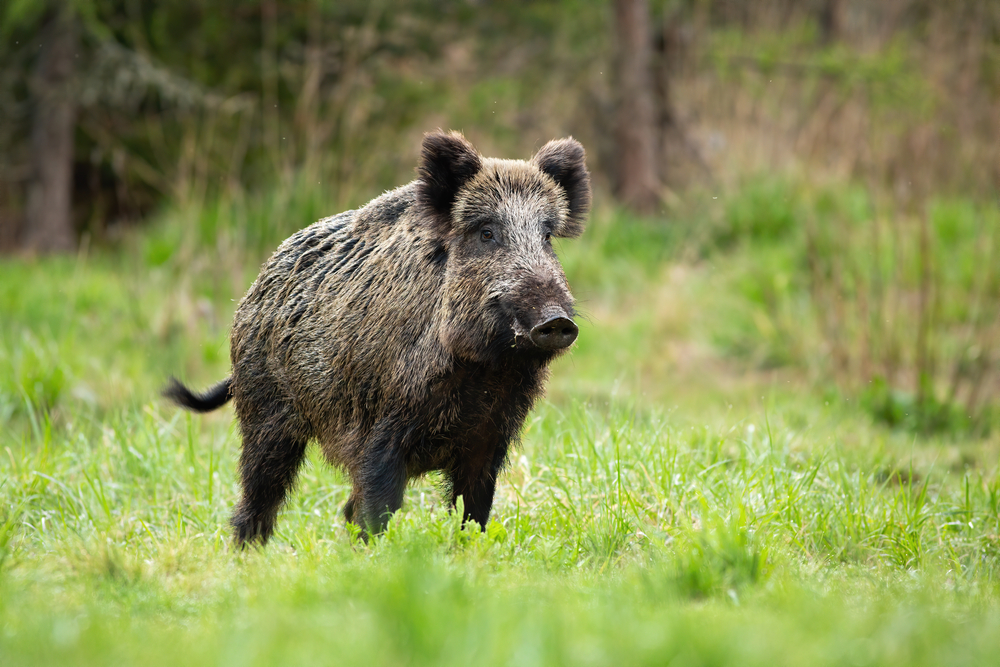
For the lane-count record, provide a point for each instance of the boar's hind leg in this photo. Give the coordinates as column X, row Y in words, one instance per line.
column 475, row 479
column 269, row 462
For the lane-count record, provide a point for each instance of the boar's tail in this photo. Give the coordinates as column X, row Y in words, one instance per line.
column 214, row 398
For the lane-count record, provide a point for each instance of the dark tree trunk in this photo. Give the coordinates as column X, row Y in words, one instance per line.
column 48, row 217
column 667, row 128
column 637, row 183
column 10, row 222
column 831, row 21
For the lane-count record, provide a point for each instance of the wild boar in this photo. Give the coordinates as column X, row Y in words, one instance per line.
column 410, row 335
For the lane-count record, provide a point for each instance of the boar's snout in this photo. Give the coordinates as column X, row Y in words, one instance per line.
column 555, row 332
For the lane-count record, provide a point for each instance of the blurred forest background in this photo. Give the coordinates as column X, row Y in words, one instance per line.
column 832, row 165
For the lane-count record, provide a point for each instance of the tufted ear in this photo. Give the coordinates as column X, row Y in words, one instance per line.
column 447, row 162
column 564, row 160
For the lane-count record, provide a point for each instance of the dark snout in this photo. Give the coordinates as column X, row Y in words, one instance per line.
column 556, row 332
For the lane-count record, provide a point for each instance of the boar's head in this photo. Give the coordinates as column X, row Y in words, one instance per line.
column 504, row 288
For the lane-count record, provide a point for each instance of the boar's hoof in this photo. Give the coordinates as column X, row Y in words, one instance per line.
column 554, row 333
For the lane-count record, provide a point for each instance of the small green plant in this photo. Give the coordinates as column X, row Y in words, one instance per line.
column 905, row 410
column 721, row 560
column 33, row 377
column 763, row 210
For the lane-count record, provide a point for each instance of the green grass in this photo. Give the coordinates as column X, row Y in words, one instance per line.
column 617, row 535
column 673, row 500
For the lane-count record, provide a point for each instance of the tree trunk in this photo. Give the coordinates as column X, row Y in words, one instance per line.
column 831, row 21
column 637, row 182
column 48, row 218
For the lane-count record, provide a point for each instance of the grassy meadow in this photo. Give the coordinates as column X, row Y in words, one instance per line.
column 697, row 488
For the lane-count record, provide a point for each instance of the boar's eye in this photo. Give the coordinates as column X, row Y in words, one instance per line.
column 486, row 235
column 548, row 237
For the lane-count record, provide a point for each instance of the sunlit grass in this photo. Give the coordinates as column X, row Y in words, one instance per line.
column 673, row 499
column 616, row 532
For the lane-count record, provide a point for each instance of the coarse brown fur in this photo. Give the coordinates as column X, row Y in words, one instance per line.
column 403, row 337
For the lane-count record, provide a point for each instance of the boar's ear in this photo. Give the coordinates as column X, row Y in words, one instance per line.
column 564, row 161
column 447, row 162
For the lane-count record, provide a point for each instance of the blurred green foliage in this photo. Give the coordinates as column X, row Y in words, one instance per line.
column 762, row 210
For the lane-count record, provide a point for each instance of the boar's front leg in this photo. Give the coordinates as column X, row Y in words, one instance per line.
column 474, row 477
column 379, row 484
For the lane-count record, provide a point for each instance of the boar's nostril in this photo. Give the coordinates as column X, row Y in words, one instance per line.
column 555, row 333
